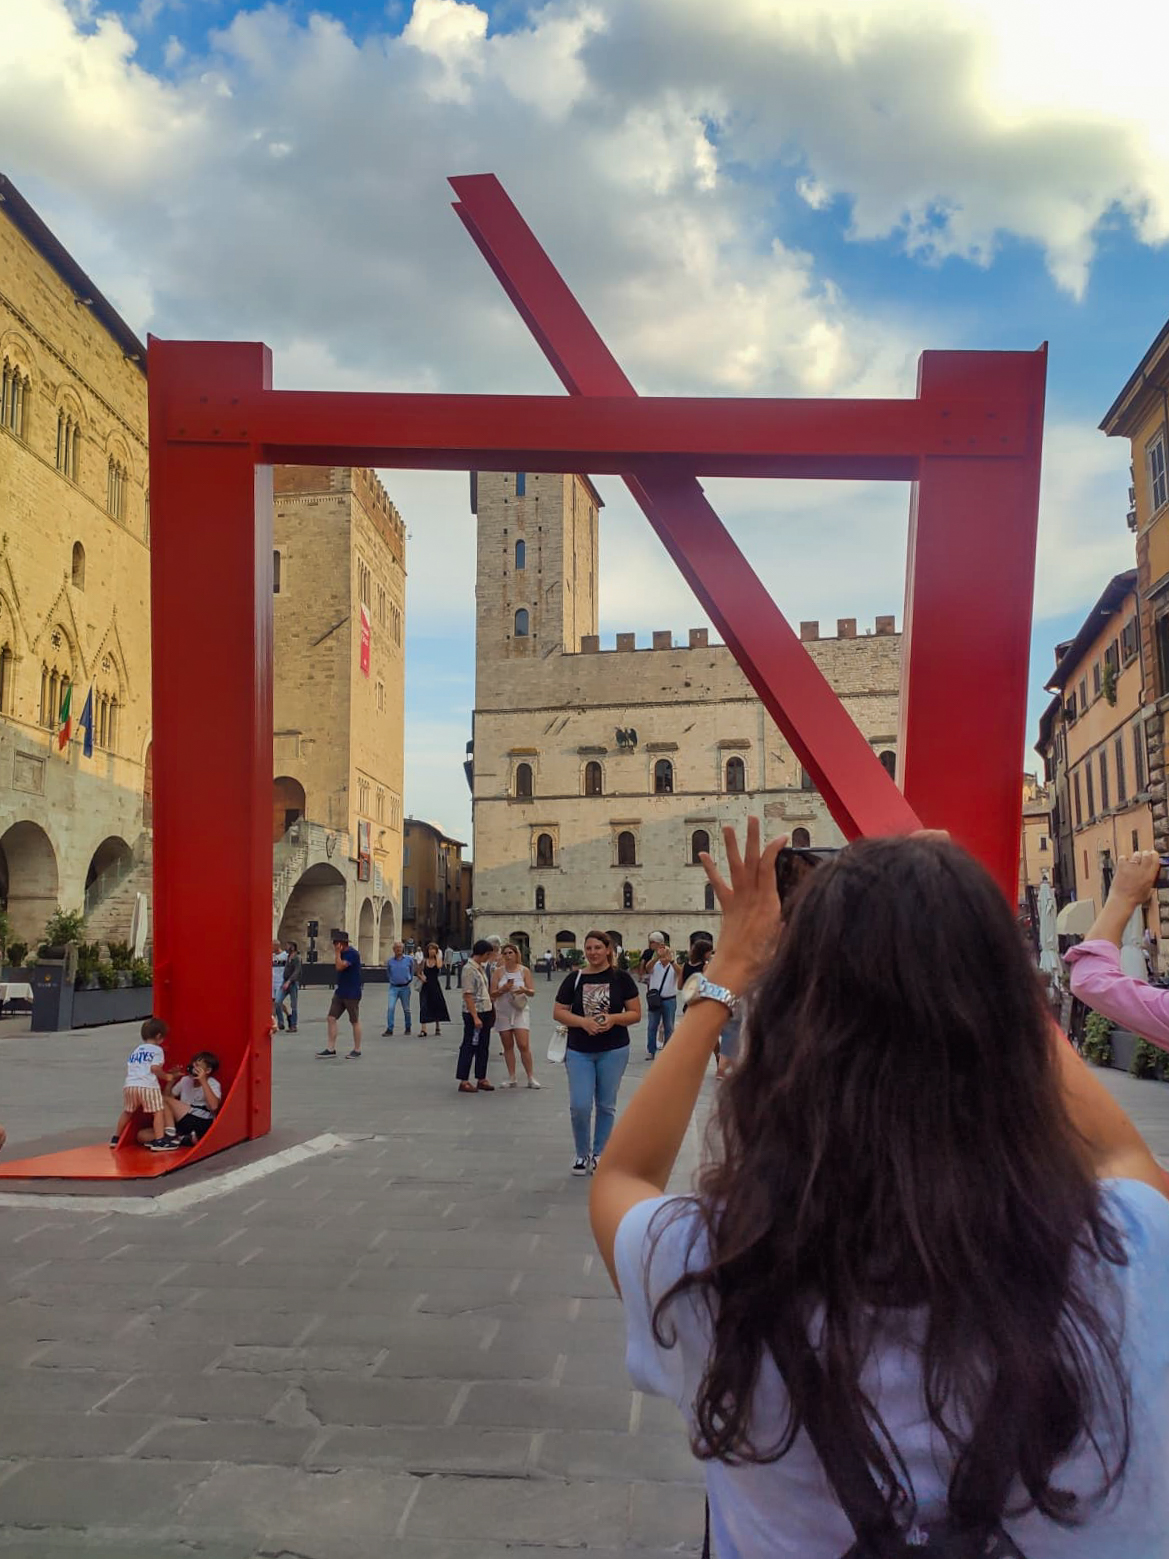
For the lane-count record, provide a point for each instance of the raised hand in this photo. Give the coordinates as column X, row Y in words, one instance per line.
column 749, row 902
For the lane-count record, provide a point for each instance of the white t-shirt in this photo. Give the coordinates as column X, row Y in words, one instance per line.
column 142, row 1058
column 662, row 978
column 190, row 1092
column 786, row 1510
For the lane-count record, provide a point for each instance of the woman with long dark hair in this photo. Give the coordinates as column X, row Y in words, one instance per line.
column 926, row 1242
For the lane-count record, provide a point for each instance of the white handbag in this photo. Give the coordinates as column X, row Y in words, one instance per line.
column 558, row 1044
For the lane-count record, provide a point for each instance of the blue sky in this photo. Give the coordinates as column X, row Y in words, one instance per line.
column 751, row 199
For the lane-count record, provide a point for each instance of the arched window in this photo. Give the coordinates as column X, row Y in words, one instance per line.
column 626, row 848
column 275, row 572
column 663, row 777
column 540, row 900
column 736, row 775
column 699, row 841
column 13, row 396
column 889, row 764
column 521, row 623
column 801, row 839
column 521, row 554
column 5, row 679
column 594, row 780
column 806, row 780
column 626, row 895
column 523, row 779
column 117, row 482
column 56, row 674
column 68, row 440
column 78, row 566
column 708, row 896
column 544, row 850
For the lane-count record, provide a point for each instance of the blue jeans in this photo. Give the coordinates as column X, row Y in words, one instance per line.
column 293, row 996
column 399, row 995
column 594, row 1078
column 663, row 1018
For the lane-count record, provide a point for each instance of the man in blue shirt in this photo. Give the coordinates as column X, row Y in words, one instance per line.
column 346, row 995
column 400, row 971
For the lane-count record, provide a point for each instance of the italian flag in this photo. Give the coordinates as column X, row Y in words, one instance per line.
column 65, row 730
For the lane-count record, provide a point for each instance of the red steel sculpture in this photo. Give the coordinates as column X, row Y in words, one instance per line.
column 969, row 442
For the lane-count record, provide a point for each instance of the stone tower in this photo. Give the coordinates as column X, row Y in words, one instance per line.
column 536, row 580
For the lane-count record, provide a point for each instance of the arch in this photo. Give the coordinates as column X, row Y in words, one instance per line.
column 566, row 939
column 663, row 777
column 521, row 623
column 540, row 900
column 318, row 895
column 520, row 938
column 78, row 566
column 801, row 839
column 594, row 779
column 148, row 787
column 708, row 896
column 29, row 880
column 699, row 841
column 366, row 933
column 15, row 393
column 521, row 555
column 736, row 776
column 523, row 780
column 626, row 848
column 889, row 763
column 626, row 895
column 545, row 851
column 288, row 803
column 386, row 935
column 112, row 851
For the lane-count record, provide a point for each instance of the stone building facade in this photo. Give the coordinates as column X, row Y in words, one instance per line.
column 74, row 577
column 432, row 886
column 339, row 574
column 75, row 612
column 599, row 773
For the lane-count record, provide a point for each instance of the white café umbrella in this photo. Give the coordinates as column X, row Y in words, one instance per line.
column 1048, row 934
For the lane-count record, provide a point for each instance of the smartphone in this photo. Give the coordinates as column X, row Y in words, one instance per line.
column 793, row 864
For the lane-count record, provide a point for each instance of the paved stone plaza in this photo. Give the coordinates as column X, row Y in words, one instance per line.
column 404, row 1346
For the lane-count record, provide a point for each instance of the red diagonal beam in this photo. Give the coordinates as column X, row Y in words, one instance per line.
column 858, row 792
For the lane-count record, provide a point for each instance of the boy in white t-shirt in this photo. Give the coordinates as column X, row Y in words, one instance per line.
column 192, row 1101
column 142, row 1090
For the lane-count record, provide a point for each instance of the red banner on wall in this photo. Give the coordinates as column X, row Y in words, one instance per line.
column 363, row 856
column 365, row 641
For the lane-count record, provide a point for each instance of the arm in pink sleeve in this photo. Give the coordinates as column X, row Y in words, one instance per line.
column 1099, row 982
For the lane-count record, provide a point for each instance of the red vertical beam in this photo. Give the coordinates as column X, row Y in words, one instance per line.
column 856, row 789
column 969, row 588
column 211, row 633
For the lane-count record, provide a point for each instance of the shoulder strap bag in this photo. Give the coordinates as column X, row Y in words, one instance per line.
column 558, row 1044
column 653, row 996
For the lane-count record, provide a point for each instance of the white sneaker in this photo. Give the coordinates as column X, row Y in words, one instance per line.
column 532, row 1083
column 511, row 1083
column 580, row 1166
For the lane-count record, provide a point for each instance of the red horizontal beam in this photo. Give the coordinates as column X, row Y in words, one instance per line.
column 601, row 433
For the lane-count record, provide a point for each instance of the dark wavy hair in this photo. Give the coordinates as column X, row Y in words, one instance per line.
column 895, row 1137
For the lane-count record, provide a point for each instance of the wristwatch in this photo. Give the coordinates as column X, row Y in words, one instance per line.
column 709, row 991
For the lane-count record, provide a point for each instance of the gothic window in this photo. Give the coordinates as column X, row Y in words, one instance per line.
column 13, row 396
column 699, row 841
column 68, row 441
column 663, row 777
column 105, row 705
column 889, row 764
column 78, row 566
column 801, row 839
column 116, row 484
column 736, row 775
column 521, row 623
column 593, row 779
column 5, row 678
column 626, row 848
column 626, row 895
column 708, row 896
column 56, row 674
column 521, row 486
column 363, row 582
column 380, row 804
column 523, row 780
column 544, row 850
column 275, row 573
column 540, row 900
column 521, row 554
column 396, row 623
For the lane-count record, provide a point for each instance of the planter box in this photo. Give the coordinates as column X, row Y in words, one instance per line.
column 1124, row 1046
column 129, row 1004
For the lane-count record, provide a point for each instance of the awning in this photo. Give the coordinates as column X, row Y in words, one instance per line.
column 1076, row 919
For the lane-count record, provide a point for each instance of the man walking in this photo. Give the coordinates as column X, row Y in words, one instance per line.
column 548, row 963
column 292, row 973
column 346, row 995
column 477, row 1015
column 400, row 972
column 279, row 967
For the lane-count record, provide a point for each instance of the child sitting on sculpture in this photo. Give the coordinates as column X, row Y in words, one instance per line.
column 142, row 1090
column 192, row 1101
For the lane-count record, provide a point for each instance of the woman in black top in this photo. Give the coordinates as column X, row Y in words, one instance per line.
column 695, row 961
column 597, row 1005
column 432, row 1006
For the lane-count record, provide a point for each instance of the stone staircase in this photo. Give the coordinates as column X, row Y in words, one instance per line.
column 109, row 902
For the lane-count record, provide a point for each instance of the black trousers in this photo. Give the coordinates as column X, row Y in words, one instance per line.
column 476, row 1046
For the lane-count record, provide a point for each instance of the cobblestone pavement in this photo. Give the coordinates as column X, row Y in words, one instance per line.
column 405, row 1347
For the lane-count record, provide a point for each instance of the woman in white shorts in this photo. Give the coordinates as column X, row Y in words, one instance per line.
column 511, row 991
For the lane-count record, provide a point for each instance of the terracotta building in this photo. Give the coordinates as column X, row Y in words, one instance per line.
column 1035, row 851
column 432, row 886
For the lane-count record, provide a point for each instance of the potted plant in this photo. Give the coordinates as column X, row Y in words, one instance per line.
column 1098, row 1040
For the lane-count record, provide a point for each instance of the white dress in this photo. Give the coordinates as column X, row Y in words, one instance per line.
column 507, row 1014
